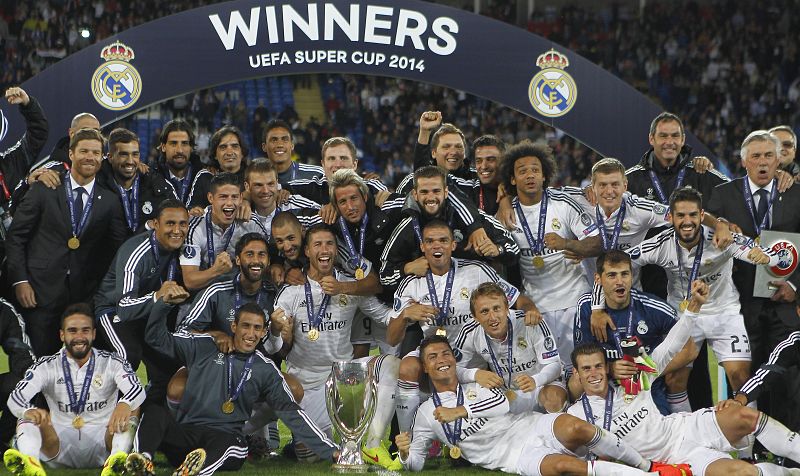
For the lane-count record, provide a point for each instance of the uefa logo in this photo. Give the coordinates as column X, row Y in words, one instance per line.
column 552, row 91
column 787, row 259
column 116, row 84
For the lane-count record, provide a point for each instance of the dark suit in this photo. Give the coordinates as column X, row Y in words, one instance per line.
column 38, row 253
column 767, row 322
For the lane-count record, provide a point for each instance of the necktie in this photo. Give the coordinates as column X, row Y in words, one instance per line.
column 761, row 209
column 79, row 203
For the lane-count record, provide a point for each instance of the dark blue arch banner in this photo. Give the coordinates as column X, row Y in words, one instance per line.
column 407, row 39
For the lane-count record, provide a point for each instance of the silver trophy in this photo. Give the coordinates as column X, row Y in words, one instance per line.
column 351, row 396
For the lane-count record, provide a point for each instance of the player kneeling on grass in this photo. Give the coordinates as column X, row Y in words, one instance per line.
column 702, row 439
column 87, row 424
column 476, row 423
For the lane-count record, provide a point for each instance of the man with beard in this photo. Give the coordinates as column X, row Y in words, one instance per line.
column 686, row 249
column 323, row 310
column 62, row 241
column 87, row 423
column 180, row 166
column 278, row 145
column 287, row 235
column 477, row 235
column 145, row 267
column 228, row 151
column 213, row 236
column 487, row 150
column 439, row 301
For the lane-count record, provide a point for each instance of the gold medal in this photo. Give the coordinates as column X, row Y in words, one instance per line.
column 313, row 335
column 629, row 398
column 538, row 262
column 684, row 305
column 227, row 407
column 758, row 240
column 359, row 274
column 74, row 243
column 511, row 395
column 455, row 452
column 78, row 422
column 440, row 331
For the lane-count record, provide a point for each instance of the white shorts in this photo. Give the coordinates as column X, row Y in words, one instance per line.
column 541, row 442
column 703, row 442
column 562, row 323
column 529, row 401
column 84, row 448
column 725, row 334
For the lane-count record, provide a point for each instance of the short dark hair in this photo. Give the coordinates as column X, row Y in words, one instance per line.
column 120, row 135
column 524, row 149
column 437, row 223
column 259, row 166
column 434, row 339
column 665, row 117
column 430, row 171
column 587, row 348
column 286, row 218
column 176, row 125
column 85, row 134
column 252, row 308
column 222, row 132
column 612, row 257
column 168, row 203
column 318, row 228
column 488, row 140
column 248, row 238
column 276, row 124
column 486, row 289
column 225, row 178
column 686, row 194
column 81, row 308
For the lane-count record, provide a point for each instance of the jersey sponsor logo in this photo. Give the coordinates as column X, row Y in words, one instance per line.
column 189, row 252
column 641, row 327
column 116, row 84
column 628, row 421
column 473, row 427
column 552, row 91
column 66, row 407
column 787, row 259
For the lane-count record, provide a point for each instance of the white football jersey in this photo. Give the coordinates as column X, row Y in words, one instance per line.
column 310, row 361
column 195, row 251
column 111, row 376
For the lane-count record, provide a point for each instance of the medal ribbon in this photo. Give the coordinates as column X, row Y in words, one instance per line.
column 315, row 318
column 601, row 223
column 444, row 308
column 453, row 435
column 78, row 405
column 131, row 205
column 172, row 269
column 233, row 394
column 509, row 353
column 226, row 238
column 748, row 200
column 628, row 330
column 537, row 245
column 698, row 257
column 657, row 185
column 237, row 293
column 355, row 260
column 78, row 226
column 607, row 412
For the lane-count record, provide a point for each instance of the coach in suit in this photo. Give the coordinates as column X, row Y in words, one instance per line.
column 753, row 204
column 62, row 240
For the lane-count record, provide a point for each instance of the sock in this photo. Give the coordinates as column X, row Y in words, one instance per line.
column 123, row 441
column 407, row 402
column 770, row 469
column 304, row 454
column 776, row 438
column 679, row 402
column 273, row 436
column 386, row 369
column 29, row 439
column 605, row 444
column 607, row 468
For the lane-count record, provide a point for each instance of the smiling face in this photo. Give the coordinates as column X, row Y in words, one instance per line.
column 788, row 146
column 248, row 332
column 491, row 312
column 288, row 240
column 125, row 160
column 253, row 261
column 225, row 202
column 321, row 252
column 337, row 157
column 77, row 333
column 171, row 228
column 616, row 280
column 279, row 146
column 437, row 246
column 449, row 152
column 229, row 153
column 667, row 142
column 592, row 373
column 430, row 194
column 486, row 159
column 608, row 188
column 86, row 158
column 350, row 203
column 439, row 362
column 686, row 218
column 263, row 188
column 761, row 162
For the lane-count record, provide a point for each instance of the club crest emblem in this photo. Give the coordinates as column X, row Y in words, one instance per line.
column 552, row 90
column 116, row 84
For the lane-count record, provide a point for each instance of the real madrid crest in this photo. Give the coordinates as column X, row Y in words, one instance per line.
column 147, row 208
column 465, row 293
column 97, row 382
column 626, row 226
column 641, row 327
column 116, row 84
column 522, row 343
column 472, row 394
column 343, row 300
column 556, row 224
column 552, row 91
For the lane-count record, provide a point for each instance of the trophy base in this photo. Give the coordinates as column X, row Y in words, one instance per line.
column 350, row 468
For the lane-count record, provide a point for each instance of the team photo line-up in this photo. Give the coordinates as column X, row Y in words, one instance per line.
column 505, row 323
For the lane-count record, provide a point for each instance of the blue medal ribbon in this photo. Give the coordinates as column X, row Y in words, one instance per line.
column 77, row 404
column 628, row 329
column 748, row 200
column 601, row 224
column 509, row 353
column 237, row 293
column 233, row 393
column 226, row 238
column 130, row 206
column 172, row 269
column 607, row 412
column 315, row 318
column 698, row 257
column 453, row 434
column 356, row 258
column 657, row 184
column 444, row 306
column 78, row 226
column 537, row 245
